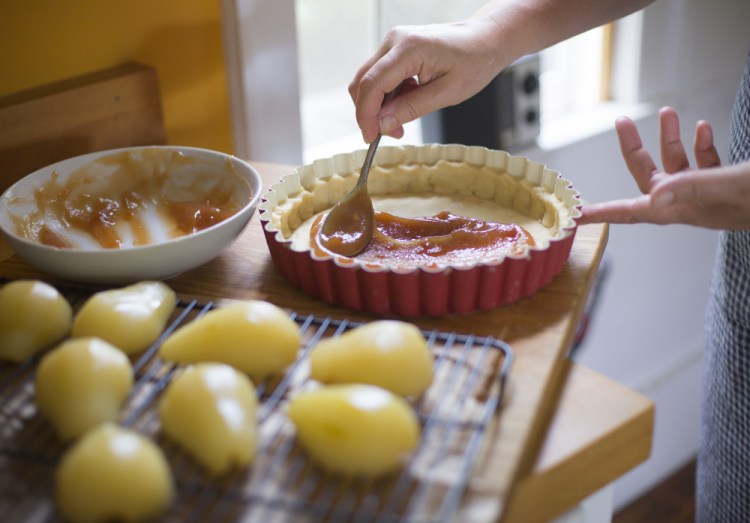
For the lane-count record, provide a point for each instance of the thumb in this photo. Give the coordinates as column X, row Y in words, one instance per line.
column 413, row 102
column 391, row 116
column 701, row 186
column 676, row 189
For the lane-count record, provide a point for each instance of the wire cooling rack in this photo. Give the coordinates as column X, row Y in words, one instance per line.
column 281, row 484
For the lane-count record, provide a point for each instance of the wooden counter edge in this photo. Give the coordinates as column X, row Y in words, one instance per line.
column 566, row 472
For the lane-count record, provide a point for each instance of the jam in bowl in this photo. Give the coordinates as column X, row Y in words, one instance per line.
column 129, row 214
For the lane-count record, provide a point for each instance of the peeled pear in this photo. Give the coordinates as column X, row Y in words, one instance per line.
column 33, row 317
column 210, row 409
column 254, row 336
column 354, row 430
column 113, row 474
column 131, row 318
column 81, row 383
column 387, row 353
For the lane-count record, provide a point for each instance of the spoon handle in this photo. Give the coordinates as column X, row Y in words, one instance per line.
column 368, row 161
column 374, row 144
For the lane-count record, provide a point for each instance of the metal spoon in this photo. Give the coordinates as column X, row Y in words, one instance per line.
column 348, row 227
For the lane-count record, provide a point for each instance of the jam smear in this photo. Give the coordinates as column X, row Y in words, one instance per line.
column 85, row 204
column 444, row 237
column 195, row 216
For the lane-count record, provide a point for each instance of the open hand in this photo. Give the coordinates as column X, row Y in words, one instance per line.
column 710, row 195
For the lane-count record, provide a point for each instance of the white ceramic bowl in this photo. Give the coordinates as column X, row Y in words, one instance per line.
column 186, row 174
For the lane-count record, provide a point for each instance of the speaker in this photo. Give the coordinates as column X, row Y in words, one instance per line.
column 503, row 115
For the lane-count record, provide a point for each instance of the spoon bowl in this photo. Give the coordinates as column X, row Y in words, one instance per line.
column 348, row 227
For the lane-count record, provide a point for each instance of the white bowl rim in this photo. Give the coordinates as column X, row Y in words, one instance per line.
column 83, row 158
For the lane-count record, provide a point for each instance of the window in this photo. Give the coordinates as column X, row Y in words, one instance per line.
column 573, row 75
column 572, row 72
column 334, row 37
column 290, row 62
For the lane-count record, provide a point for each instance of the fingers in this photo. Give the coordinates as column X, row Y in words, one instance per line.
column 681, row 198
column 705, row 153
column 414, row 101
column 383, row 76
column 400, row 110
column 713, row 197
column 639, row 161
column 450, row 62
column 719, row 186
column 673, row 155
column 642, row 209
column 354, row 85
column 710, row 196
column 364, row 68
column 634, row 210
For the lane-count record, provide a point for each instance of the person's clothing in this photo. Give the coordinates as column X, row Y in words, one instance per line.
column 723, row 477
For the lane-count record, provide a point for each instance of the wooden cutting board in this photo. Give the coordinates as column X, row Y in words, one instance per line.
column 106, row 109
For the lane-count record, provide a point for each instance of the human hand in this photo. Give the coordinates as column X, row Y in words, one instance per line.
column 439, row 65
column 712, row 195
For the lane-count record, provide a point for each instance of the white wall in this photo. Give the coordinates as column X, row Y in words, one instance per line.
column 260, row 49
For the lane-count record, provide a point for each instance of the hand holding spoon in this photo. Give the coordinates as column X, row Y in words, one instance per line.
column 350, row 223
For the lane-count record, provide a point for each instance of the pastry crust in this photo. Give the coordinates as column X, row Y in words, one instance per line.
column 400, row 185
column 425, row 180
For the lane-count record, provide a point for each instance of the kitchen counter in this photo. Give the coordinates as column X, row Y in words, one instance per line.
column 564, row 431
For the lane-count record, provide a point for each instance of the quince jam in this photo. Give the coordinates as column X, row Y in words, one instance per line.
column 136, row 194
column 442, row 238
